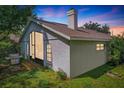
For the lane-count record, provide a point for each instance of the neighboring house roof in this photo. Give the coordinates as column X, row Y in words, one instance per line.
column 70, row 34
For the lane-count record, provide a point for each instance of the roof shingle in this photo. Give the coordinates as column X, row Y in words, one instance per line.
column 80, row 33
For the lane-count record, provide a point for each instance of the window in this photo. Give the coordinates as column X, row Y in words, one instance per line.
column 100, row 46
column 49, row 53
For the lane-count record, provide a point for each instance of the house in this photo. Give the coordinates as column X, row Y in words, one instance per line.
column 68, row 48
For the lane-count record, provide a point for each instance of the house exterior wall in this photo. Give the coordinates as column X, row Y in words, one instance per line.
column 26, row 38
column 60, row 54
column 73, row 57
column 60, row 49
column 85, row 57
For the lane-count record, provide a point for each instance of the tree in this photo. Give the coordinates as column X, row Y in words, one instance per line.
column 105, row 28
column 116, row 49
column 14, row 18
column 96, row 26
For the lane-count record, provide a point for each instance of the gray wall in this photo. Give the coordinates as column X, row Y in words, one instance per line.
column 85, row 57
column 60, row 54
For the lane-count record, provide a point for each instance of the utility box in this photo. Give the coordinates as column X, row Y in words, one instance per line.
column 14, row 58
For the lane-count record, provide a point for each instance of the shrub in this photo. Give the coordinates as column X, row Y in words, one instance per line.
column 44, row 84
column 116, row 50
column 7, row 47
column 62, row 74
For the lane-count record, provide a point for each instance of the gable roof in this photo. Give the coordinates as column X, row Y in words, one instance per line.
column 70, row 34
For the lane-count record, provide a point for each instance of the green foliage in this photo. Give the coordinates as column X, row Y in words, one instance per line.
column 116, row 50
column 7, row 47
column 62, row 75
column 14, row 18
column 44, row 84
column 42, row 78
column 96, row 26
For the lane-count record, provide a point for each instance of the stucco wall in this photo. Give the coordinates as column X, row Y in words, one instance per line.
column 60, row 54
column 85, row 57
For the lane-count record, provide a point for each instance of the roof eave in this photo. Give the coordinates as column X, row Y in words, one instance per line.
column 61, row 34
column 89, row 39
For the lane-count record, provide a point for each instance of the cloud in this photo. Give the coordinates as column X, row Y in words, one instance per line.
column 108, row 14
column 105, row 18
column 119, row 21
column 51, row 13
column 117, row 30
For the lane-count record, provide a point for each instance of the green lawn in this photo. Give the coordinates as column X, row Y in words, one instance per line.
column 48, row 78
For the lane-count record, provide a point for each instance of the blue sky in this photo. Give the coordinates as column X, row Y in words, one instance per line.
column 111, row 15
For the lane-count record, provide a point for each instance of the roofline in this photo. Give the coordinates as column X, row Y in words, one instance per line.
column 74, row 38
column 89, row 39
column 59, row 33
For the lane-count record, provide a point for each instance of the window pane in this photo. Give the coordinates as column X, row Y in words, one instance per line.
column 102, row 48
column 48, row 46
column 99, row 46
column 49, row 52
column 49, row 55
column 49, row 59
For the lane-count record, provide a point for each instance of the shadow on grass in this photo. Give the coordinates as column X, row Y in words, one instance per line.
column 97, row 72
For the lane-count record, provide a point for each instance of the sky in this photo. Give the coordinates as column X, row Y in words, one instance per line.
column 103, row 14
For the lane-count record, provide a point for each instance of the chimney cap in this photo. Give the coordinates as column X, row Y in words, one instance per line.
column 71, row 11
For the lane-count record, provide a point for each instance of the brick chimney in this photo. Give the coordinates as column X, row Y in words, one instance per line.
column 72, row 19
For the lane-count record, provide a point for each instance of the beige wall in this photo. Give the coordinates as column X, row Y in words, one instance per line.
column 84, row 57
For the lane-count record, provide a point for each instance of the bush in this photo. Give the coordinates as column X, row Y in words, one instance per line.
column 116, row 50
column 62, row 75
column 44, row 84
column 7, row 47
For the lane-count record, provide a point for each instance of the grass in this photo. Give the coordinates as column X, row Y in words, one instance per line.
column 48, row 78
